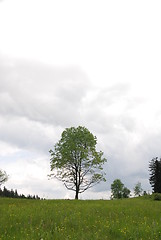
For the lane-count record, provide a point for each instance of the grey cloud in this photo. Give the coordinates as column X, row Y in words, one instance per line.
column 150, row 145
column 105, row 102
column 24, row 134
column 118, row 132
column 114, row 110
column 37, row 100
column 41, row 93
column 113, row 94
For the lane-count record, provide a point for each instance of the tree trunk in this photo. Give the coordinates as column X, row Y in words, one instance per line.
column 76, row 194
column 77, row 188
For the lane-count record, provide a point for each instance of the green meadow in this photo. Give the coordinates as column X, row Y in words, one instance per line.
column 136, row 218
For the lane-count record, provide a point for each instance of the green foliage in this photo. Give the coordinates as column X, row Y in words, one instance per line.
column 155, row 174
column 75, row 160
column 138, row 189
column 64, row 219
column 125, row 192
column 156, row 196
column 118, row 190
column 3, row 177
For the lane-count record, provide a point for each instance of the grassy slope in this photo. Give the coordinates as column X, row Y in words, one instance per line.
column 82, row 220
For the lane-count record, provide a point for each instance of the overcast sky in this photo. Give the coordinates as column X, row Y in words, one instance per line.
column 70, row 63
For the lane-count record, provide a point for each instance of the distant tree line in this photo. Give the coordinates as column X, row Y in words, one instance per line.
column 14, row 194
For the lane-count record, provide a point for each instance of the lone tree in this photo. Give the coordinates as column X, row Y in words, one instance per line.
column 75, row 160
column 155, row 174
column 118, row 190
column 3, row 177
column 138, row 189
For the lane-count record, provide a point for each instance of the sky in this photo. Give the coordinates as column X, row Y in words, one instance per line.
column 70, row 63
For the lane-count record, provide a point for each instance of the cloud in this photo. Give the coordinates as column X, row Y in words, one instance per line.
column 41, row 93
column 37, row 100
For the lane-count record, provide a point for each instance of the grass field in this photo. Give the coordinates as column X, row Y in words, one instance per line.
column 80, row 220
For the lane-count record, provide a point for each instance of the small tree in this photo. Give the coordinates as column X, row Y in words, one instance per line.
column 118, row 190
column 138, row 189
column 126, row 192
column 3, row 177
column 75, row 160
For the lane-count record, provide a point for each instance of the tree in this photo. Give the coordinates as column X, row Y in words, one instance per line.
column 3, row 177
column 118, row 190
column 138, row 189
column 126, row 192
column 155, row 174
column 75, row 160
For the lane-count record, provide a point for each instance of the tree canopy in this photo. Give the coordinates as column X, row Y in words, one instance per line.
column 75, row 160
column 138, row 189
column 118, row 190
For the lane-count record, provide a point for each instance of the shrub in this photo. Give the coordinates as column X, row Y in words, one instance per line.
column 157, row 196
